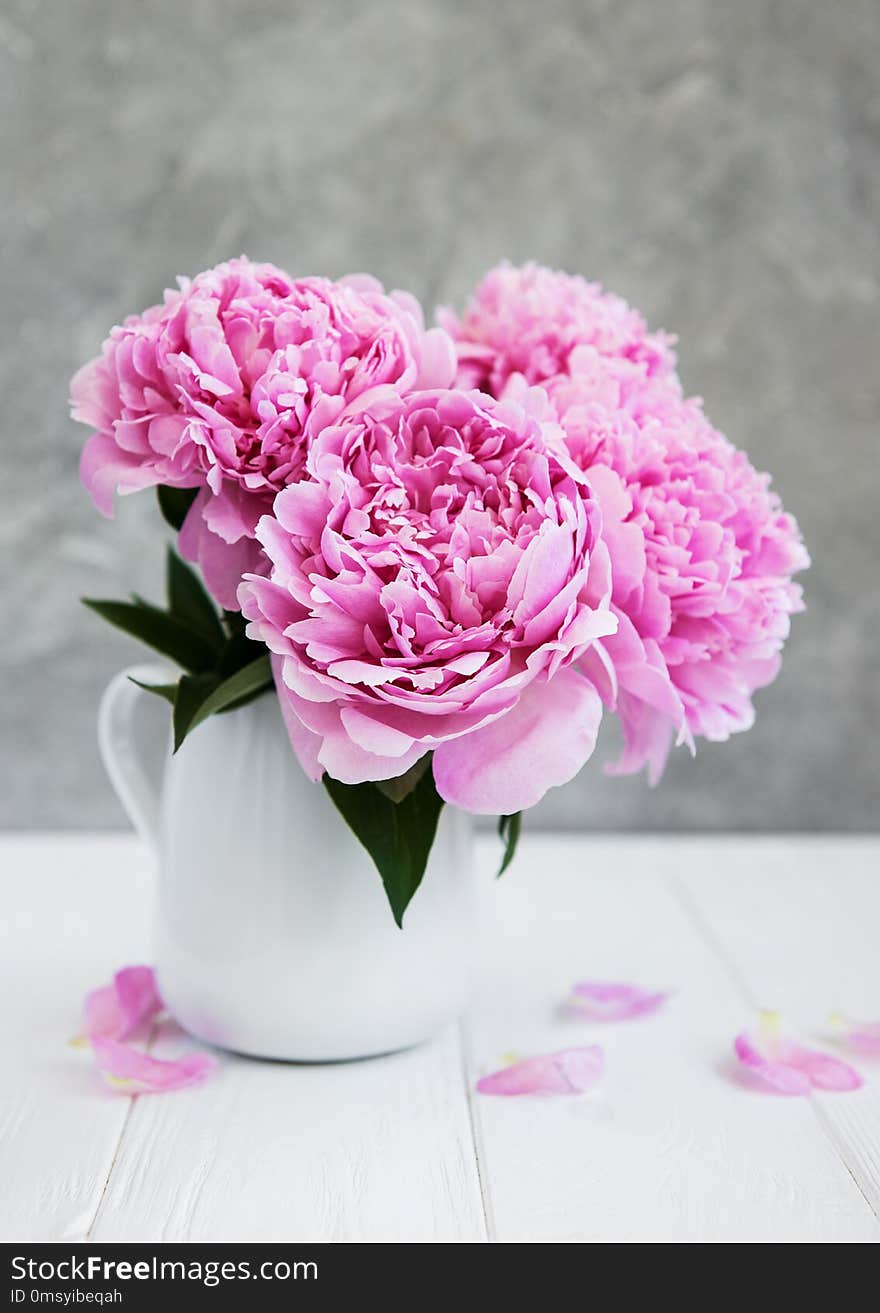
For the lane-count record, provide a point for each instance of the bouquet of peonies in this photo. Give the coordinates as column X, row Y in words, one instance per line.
column 447, row 549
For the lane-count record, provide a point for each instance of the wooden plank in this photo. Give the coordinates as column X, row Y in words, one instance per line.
column 73, row 911
column 370, row 1150
column 378, row 1150
column 364, row 1151
column 798, row 921
column 671, row 1147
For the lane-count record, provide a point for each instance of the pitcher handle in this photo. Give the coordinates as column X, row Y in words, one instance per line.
column 122, row 748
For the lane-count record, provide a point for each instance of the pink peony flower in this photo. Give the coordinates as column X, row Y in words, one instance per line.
column 440, row 565
column 705, row 619
column 701, row 549
column 223, row 386
column 528, row 321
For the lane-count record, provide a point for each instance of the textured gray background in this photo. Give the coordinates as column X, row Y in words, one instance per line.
column 717, row 162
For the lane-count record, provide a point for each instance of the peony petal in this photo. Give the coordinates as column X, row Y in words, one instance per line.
column 510, row 764
column 306, row 745
column 609, row 1001
column 118, row 1009
column 788, row 1080
column 114, row 1012
column 861, row 1035
column 235, row 512
column 828, row 1073
column 348, row 763
column 541, row 573
column 223, row 564
column 568, row 1071
column 438, row 360
column 373, row 735
column 321, row 742
column 301, row 509
column 101, row 1014
column 131, row 1072
column 789, row 1067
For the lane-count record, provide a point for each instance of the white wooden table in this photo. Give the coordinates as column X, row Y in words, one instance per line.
column 671, row 1147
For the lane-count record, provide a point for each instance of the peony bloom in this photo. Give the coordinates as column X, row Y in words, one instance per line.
column 223, row 386
column 702, row 551
column 528, row 320
column 433, row 584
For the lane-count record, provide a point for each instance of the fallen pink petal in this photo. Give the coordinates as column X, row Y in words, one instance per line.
column 117, row 1010
column 780, row 1075
column 791, row 1068
column 863, row 1036
column 603, row 1000
column 131, row 1072
column 568, row 1071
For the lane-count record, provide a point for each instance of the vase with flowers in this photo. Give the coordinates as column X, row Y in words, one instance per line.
column 413, row 568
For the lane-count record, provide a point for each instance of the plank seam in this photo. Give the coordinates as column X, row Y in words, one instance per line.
column 683, row 896
column 842, row 1150
column 476, row 1133
column 154, row 1030
column 110, row 1170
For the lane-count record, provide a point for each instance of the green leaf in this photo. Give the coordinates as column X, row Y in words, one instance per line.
column 166, row 633
column 200, row 696
column 174, row 503
column 397, row 835
column 235, row 622
column 189, row 600
column 166, row 691
column 509, row 828
column 398, row 788
column 192, row 693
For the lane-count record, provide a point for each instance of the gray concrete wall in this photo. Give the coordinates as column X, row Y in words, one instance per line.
column 718, row 163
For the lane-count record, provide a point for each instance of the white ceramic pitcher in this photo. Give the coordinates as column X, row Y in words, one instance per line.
column 274, row 937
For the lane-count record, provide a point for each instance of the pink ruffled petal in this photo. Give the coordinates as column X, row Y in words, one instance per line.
column 786, row 1079
column 828, row 1073
column 864, row 1036
column 569, row 1071
column 603, row 1000
column 305, row 744
column 222, row 564
column 510, row 764
column 100, row 1014
column 789, row 1067
column 114, row 1012
column 132, row 1072
column 438, row 363
column 118, row 1009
